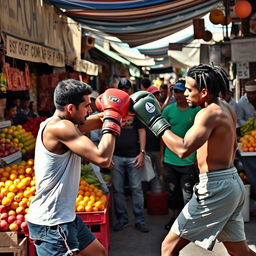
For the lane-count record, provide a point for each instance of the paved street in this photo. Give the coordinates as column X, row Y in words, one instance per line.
column 130, row 242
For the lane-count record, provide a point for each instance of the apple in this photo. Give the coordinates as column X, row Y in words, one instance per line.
column 24, row 226
column 11, row 219
column 20, row 217
column 4, row 216
column 4, row 226
column 18, row 222
column 3, row 208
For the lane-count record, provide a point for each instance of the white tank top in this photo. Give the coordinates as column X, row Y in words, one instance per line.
column 57, row 183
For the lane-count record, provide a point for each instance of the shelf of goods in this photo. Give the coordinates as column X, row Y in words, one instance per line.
column 242, row 153
column 11, row 242
column 5, row 124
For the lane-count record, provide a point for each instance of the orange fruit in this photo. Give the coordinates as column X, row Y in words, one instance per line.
column 29, row 170
column 4, row 179
column 8, row 183
column 13, row 176
column 80, row 192
column 251, row 149
column 80, row 208
column 13, row 188
column 18, row 197
column 20, row 209
column 14, row 205
column 5, row 174
column 10, row 195
column 13, row 226
column 12, row 212
column 6, row 201
column 88, row 208
column 4, row 191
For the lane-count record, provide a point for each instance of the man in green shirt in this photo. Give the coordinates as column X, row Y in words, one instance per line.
column 180, row 173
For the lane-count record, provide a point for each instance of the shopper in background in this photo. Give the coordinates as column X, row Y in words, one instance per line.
column 153, row 142
column 128, row 158
column 60, row 145
column 33, row 110
column 145, row 84
column 10, row 113
column 166, row 95
column 95, row 135
column 180, row 174
column 246, row 106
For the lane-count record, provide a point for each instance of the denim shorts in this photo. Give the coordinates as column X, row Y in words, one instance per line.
column 62, row 239
column 214, row 211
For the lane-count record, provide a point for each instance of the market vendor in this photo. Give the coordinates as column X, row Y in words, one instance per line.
column 246, row 107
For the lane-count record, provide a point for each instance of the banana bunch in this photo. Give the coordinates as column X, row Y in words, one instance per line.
column 88, row 175
column 248, row 126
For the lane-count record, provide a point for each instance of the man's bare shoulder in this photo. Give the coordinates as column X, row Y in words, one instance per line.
column 61, row 128
column 208, row 114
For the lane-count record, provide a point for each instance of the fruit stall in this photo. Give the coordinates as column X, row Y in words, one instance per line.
column 247, row 151
column 17, row 189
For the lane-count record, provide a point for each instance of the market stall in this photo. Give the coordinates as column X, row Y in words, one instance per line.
column 248, row 160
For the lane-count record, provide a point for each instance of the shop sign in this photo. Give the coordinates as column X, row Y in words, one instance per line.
column 87, row 67
column 25, row 50
column 242, row 50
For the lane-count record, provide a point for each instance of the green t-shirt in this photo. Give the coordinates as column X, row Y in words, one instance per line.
column 181, row 121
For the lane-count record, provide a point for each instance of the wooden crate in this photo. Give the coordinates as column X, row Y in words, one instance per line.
column 9, row 239
column 20, row 250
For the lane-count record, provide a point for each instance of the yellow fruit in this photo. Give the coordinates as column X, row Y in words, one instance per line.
column 13, row 227
column 6, row 201
column 80, row 208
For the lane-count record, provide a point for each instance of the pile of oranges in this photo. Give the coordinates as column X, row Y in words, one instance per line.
column 90, row 198
column 18, row 187
column 249, row 142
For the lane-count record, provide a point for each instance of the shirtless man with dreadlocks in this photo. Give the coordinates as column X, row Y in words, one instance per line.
column 214, row 211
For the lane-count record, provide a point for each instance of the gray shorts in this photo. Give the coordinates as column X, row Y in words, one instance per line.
column 214, row 211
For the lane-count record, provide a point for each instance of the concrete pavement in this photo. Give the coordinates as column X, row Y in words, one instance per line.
column 131, row 242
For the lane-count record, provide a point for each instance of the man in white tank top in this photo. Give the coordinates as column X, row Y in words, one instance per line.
column 60, row 145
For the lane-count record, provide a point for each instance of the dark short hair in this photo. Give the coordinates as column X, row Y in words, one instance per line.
column 164, row 86
column 9, row 106
column 70, row 91
column 210, row 77
column 146, row 83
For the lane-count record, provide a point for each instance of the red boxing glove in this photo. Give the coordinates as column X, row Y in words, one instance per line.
column 115, row 104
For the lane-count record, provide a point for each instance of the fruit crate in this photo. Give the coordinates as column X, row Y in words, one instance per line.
column 19, row 249
column 98, row 223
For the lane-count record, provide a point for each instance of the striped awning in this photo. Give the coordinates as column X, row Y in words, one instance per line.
column 136, row 22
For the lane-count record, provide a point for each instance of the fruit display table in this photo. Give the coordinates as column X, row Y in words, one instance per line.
column 248, row 160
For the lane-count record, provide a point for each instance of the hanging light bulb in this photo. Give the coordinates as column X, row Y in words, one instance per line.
column 242, row 9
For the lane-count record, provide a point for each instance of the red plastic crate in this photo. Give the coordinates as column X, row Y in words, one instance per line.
column 31, row 248
column 98, row 223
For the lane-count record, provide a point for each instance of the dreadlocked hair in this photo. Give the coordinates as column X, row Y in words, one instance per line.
column 213, row 78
